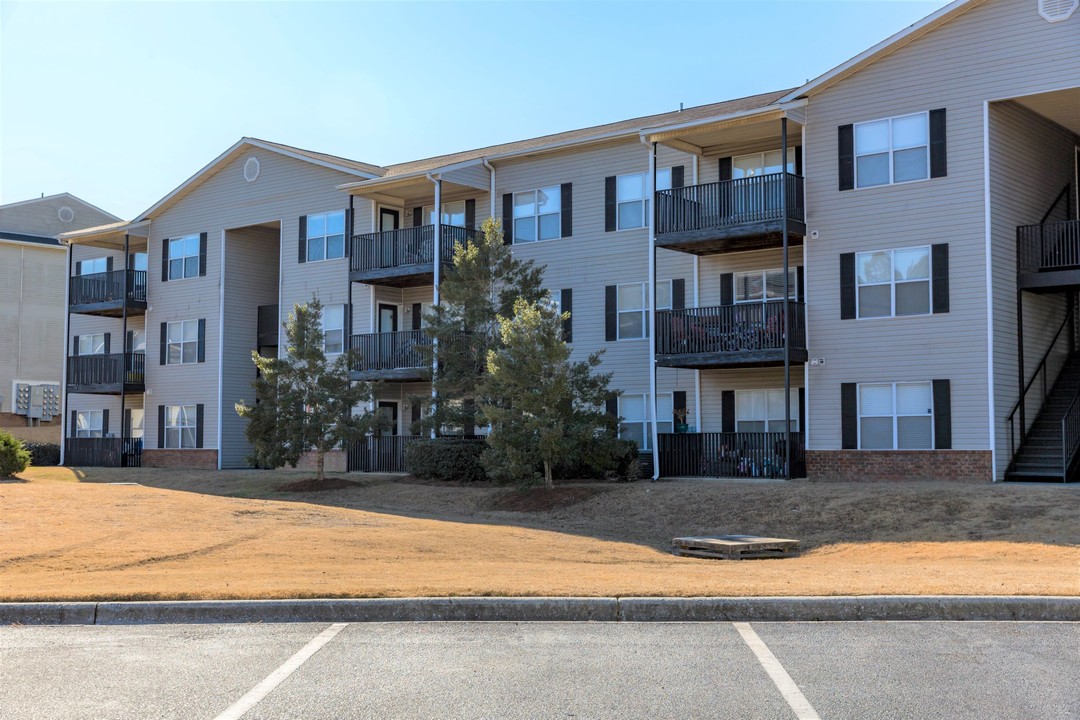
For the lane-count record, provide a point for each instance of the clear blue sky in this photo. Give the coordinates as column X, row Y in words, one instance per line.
column 119, row 103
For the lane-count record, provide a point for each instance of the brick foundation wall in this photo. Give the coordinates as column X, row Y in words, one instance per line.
column 897, row 465
column 334, row 462
column 194, row 459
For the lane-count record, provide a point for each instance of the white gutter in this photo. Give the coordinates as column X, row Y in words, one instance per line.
column 415, row 175
column 697, row 303
column 221, row 346
column 645, row 133
column 491, row 192
column 649, row 193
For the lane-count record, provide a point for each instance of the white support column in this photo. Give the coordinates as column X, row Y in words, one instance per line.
column 650, row 184
column 438, row 279
column 65, row 428
column 697, row 303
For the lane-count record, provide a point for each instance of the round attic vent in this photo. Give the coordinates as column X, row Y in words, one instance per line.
column 1057, row 10
column 251, row 169
column 65, row 214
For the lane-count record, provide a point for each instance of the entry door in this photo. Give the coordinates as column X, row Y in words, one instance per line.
column 388, row 318
column 388, row 409
column 389, row 219
column 388, row 323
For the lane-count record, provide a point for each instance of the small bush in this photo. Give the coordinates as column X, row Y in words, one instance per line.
column 446, row 458
column 621, row 464
column 42, row 453
column 14, row 458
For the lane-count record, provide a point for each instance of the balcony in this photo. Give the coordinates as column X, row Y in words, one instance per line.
column 406, row 257
column 103, row 293
column 1048, row 256
column 268, row 325
column 730, row 454
column 391, row 356
column 103, row 452
column 730, row 336
column 109, row 374
column 731, row 215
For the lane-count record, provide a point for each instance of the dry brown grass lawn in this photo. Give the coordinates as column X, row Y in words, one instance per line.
column 67, row 534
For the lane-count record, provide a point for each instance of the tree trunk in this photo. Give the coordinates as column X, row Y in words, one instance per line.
column 549, row 482
column 320, row 463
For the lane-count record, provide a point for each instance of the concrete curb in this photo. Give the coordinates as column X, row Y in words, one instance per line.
column 520, row 609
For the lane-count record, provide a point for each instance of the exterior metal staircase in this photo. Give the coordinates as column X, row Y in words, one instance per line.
column 1049, row 449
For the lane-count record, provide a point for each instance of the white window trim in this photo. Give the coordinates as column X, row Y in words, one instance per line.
column 890, row 151
column 794, row 411
column 192, row 418
column 90, row 415
column 183, row 240
column 104, row 260
column 429, row 213
column 644, row 199
column 168, row 343
column 309, row 238
column 644, row 309
column 344, row 336
column 648, row 421
column 536, row 216
column 892, row 283
column 793, row 284
column 93, row 342
column 895, row 425
column 761, row 156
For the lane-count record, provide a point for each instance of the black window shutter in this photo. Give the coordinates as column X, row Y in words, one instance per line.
column 161, row 426
column 108, row 342
column 508, row 219
column 727, row 411
column 567, row 200
column 470, row 213
column 202, row 254
column 105, row 422
column 416, row 413
column 678, row 294
column 165, row 260
column 417, row 315
column 939, row 261
column 78, row 267
column 798, row 160
column 609, row 203
column 417, row 217
column 199, row 425
column 677, row 176
column 613, row 406
column 849, row 416
column 566, row 304
column 847, row 286
column 725, row 169
column 678, row 402
column 802, row 410
column 108, row 264
column 348, row 232
column 202, row 341
column 75, row 345
column 301, row 245
column 727, row 289
column 938, row 164
column 125, row 427
column 800, row 284
column 129, row 341
column 611, row 312
column 846, row 156
column 163, row 344
column 942, row 415
column 73, row 429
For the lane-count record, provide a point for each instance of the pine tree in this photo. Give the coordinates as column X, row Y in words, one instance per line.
column 543, row 408
column 305, row 403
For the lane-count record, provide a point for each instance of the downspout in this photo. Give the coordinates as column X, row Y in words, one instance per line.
column 697, row 303
column 437, row 262
column 491, row 192
column 124, row 354
column 66, row 429
column 649, row 185
column 787, row 299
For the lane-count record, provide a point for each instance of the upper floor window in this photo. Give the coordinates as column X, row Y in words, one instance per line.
column 453, row 213
column 538, row 215
column 634, row 307
column 762, row 163
column 326, row 236
column 333, row 325
column 893, row 150
column 631, row 206
column 93, row 266
column 184, row 257
column 896, row 416
column 763, row 411
column 92, row 344
column 180, row 426
column 764, row 285
column 663, row 179
column 88, row 423
column 182, row 338
column 893, row 282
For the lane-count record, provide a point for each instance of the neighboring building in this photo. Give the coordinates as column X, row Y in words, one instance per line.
column 890, row 201
column 32, row 287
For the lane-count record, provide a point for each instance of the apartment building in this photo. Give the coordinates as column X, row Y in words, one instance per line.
column 32, row 279
column 858, row 277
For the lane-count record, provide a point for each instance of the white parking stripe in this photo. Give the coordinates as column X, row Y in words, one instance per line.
column 257, row 693
column 798, row 702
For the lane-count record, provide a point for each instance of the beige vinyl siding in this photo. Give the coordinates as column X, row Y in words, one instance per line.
column 41, row 216
column 86, row 403
column 286, row 189
column 996, row 50
column 713, row 266
column 251, row 273
column 715, row 382
column 1031, row 160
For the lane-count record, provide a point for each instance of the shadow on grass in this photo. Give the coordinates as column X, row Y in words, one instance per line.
column 650, row 514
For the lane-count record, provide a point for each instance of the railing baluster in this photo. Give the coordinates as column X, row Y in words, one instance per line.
column 729, row 202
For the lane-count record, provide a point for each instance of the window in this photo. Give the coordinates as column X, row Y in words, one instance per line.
column 88, row 423
column 538, row 215
column 635, row 424
column 761, row 163
column 453, row 213
column 763, row 411
column 180, row 426
column 896, row 416
column 138, row 341
column 183, row 342
column 634, row 307
column 665, row 413
column 894, row 150
column 764, row 285
column 93, row 344
column 184, row 257
column 138, row 261
column 893, row 282
column 333, row 325
column 326, row 236
column 663, row 179
column 93, row 266
column 631, row 206
column 136, row 424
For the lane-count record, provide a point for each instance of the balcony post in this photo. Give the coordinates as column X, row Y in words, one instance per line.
column 123, row 339
column 787, row 300
column 438, row 279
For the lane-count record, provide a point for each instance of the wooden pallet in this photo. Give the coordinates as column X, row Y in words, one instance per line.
column 734, row 547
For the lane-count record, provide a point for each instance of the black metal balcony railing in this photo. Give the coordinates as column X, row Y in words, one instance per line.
column 107, row 287
column 103, row 452
column 1049, row 246
column 729, row 328
column 104, row 371
column 730, row 454
column 408, row 246
column 268, row 325
column 390, row 350
column 729, row 202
